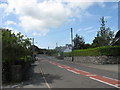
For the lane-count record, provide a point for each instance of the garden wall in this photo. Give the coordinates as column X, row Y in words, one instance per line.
column 95, row 59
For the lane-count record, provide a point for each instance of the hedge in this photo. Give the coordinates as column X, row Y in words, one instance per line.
column 99, row 51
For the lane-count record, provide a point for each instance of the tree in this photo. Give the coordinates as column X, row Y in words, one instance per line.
column 15, row 51
column 14, row 46
column 99, row 41
column 78, row 42
column 86, row 46
column 104, row 36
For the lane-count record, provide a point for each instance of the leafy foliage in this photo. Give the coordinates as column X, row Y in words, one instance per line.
column 99, row 51
column 78, row 42
column 14, row 46
column 104, row 36
column 15, row 51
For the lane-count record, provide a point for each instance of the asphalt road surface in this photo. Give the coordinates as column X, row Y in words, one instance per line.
column 53, row 73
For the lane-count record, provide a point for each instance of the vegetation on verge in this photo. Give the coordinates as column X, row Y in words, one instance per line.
column 99, row 51
column 16, row 50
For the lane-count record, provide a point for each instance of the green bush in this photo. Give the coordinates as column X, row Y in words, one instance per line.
column 99, row 51
column 16, row 50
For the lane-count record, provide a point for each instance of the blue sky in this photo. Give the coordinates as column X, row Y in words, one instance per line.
column 49, row 21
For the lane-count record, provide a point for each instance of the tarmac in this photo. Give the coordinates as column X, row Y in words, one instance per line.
column 108, row 67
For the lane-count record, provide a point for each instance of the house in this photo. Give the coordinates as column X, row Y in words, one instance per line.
column 67, row 48
column 62, row 49
column 116, row 40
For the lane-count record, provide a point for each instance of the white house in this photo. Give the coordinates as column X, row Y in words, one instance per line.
column 67, row 48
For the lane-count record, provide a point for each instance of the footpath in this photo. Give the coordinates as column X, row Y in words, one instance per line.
column 35, row 79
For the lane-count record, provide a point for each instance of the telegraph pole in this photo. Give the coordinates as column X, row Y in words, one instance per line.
column 48, row 50
column 72, row 43
column 33, row 48
column 56, row 44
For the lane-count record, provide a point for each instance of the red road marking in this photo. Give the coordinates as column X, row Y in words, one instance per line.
column 109, row 81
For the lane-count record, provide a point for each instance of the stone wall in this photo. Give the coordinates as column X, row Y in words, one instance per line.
column 95, row 59
column 16, row 73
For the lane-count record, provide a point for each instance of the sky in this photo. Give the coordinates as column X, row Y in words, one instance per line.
column 49, row 21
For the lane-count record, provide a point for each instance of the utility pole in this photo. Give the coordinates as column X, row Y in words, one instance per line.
column 33, row 49
column 72, row 43
column 48, row 50
column 56, row 44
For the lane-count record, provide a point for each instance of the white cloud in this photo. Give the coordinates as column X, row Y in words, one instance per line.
column 85, row 29
column 88, row 28
column 10, row 23
column 41, row 16
column 33, row 24
column 3, row 7
column 89, row 0
column 37, row 34
column 15, row 31
column 101, row 4
column 79, row 30
column 115, row 6
column 91, row 31
column 108, row 17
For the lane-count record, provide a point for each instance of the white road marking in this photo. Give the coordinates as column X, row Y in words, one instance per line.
column 110, row 78
column 117, row 84
column 104, row 82
column 45, row 79
column 60, row 66
column 73, row 71
column 82, row 70
column 91, row 75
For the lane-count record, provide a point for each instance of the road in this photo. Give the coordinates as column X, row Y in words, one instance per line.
column 53, row 73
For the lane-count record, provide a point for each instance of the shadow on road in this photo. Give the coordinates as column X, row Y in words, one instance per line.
column 36, row 77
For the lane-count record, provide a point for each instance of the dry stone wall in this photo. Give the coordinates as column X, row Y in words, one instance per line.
column 95, row 59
